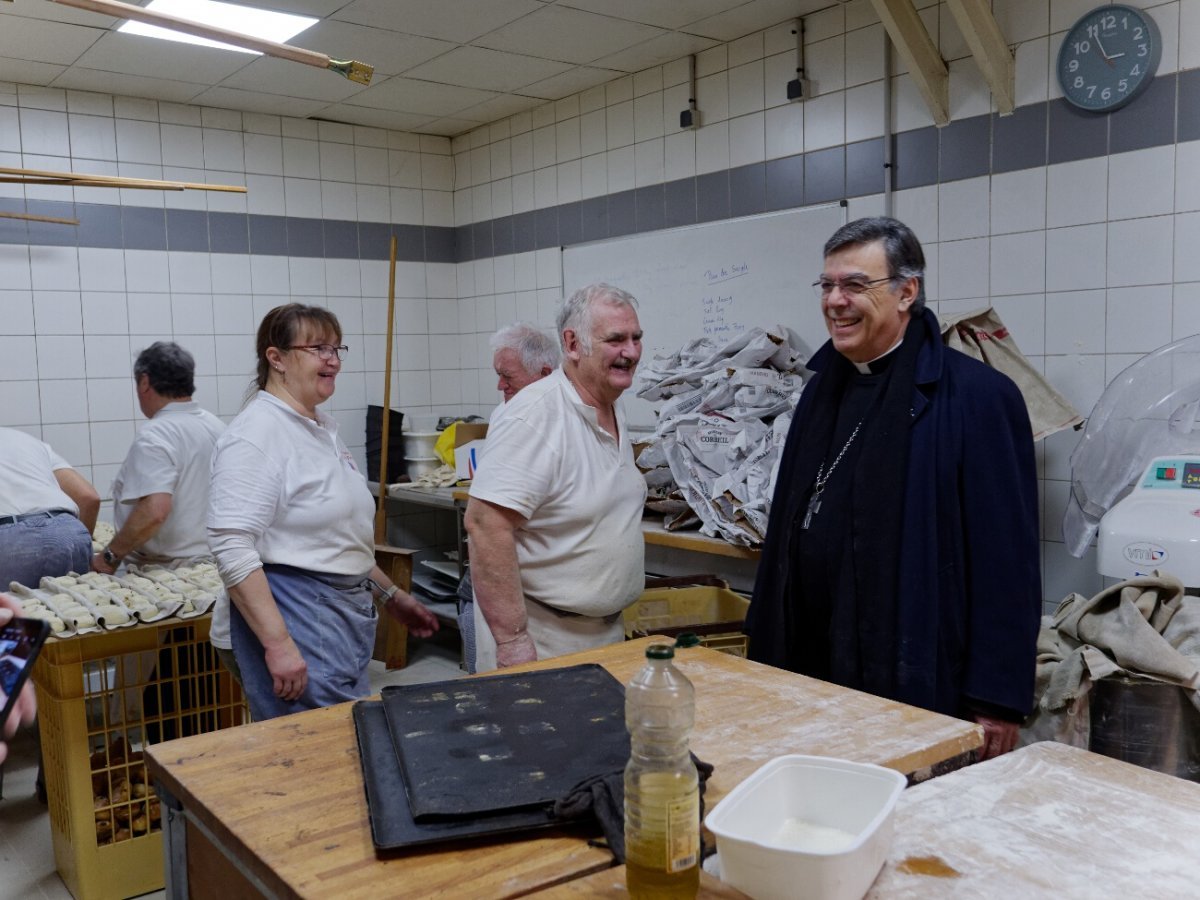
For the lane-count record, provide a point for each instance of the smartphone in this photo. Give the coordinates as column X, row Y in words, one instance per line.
column 20, row 641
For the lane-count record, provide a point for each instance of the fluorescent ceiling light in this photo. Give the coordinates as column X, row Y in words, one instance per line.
column 259, row 23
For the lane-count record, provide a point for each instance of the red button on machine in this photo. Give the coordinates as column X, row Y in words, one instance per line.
column 1166, row 474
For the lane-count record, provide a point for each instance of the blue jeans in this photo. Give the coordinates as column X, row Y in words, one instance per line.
column 466, row 620
column 44, row 546
column 331, row 618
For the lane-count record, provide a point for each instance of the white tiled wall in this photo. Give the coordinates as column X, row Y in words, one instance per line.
column 1089, row 263
column 73, row 319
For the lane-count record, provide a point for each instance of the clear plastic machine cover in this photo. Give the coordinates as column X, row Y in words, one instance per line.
column 1150, row 409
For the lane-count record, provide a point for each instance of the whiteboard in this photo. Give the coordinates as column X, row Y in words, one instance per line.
column 715, row 280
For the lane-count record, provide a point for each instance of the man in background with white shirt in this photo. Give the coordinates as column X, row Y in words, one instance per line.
column 47, row 512
column 160, row 494
column 521, row 354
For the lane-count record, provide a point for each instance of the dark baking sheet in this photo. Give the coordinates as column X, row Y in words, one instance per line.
column 482, row 745
column 392, row 824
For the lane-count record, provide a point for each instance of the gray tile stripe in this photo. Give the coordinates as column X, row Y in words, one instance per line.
column 1035, row 135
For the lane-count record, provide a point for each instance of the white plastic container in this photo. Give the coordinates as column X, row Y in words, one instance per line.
column 757, row 828
column 420, row 444
column 420, row 421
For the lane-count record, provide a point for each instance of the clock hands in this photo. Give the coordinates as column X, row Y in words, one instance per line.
column 1104, row 54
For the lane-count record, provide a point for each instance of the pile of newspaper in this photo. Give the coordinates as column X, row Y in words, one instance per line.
column 721, row 428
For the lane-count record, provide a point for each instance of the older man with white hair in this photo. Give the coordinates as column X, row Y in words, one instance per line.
column 521, row 354
column 556, row 546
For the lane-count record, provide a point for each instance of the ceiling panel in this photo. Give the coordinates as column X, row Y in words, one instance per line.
column 22, row 71
column 408, row 95
column 440, row 65
column 662, row 13
column 571, row 35
column 460, row 21
column 318, row 8
column 756, row 15
column 43, row 41
column 390, row 52
column 279, row 76
column 500, row 107
column 78, row 78
column 132, row 54
column 577, row 79
column 40, row 9
column 494, row 70
column 656, row 51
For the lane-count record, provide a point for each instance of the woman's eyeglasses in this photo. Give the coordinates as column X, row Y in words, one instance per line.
column 323, row 351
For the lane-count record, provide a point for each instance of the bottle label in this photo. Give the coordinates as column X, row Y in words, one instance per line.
column 683, row 832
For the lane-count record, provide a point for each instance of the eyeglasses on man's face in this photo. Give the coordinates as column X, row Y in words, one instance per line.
column 850, row 286
column 323, row 351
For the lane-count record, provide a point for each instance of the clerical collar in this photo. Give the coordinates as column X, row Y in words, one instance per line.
column 879, row 363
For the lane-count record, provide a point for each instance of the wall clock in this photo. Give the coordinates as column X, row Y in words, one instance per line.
column 1108, row 57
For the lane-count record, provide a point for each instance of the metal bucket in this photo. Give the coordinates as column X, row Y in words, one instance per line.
column 1146, row 723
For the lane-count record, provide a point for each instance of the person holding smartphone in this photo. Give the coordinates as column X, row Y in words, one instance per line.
column 24, row 708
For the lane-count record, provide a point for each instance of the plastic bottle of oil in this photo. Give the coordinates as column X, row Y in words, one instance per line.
column 662, row 798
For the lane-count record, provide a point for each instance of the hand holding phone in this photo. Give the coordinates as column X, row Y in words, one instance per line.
column 20, row 641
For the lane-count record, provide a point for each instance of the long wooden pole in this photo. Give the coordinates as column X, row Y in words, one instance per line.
column 352, row 69
column 41, row 176
column 380, row 516
column 87, row 182
column 30, row 217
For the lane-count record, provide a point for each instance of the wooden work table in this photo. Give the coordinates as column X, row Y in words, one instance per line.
column 277, row 808
column 1047, row 821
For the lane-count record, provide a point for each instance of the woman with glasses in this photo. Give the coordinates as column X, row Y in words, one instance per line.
column 290, row 524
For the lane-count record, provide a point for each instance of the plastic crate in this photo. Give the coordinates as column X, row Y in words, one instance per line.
column 714, row 614
column 101, row 699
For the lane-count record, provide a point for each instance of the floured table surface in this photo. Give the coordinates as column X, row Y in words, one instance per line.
column 282, row 801
column 1050, row 821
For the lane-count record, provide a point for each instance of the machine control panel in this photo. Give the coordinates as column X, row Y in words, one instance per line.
column 1172, row 473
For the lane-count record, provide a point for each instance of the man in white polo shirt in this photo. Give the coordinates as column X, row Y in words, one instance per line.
column 160, row 494
column 556, row 545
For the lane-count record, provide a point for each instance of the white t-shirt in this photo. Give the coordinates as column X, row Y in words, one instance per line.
column 172, row 454
column 581, row 549
column 27, row 482
column 285, row 490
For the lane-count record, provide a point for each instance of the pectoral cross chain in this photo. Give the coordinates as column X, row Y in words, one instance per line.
column 814, row 502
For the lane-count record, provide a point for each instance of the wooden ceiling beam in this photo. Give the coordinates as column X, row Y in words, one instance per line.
column 920, row 54
column 995, row 60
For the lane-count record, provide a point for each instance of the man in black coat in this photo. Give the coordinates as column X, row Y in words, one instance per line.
column 902, row 555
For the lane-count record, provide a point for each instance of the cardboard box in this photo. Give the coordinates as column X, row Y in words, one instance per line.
column 468, row 448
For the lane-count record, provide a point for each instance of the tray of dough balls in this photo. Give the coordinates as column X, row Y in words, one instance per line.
column 83, row 604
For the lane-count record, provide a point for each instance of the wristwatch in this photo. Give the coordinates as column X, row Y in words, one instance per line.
column 389, row 593
column 111, row 558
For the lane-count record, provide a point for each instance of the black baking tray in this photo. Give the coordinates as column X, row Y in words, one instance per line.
column 392, row 825
column 505, row 742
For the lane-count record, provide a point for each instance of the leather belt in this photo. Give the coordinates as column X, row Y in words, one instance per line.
column 47, row 513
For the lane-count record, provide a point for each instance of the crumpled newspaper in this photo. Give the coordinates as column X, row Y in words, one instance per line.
column 715, row 452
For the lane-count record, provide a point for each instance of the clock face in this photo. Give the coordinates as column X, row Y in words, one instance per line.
column 1108, row 57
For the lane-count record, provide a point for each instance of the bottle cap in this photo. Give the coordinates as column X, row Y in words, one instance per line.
column 660, row 651
column 687, row 639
